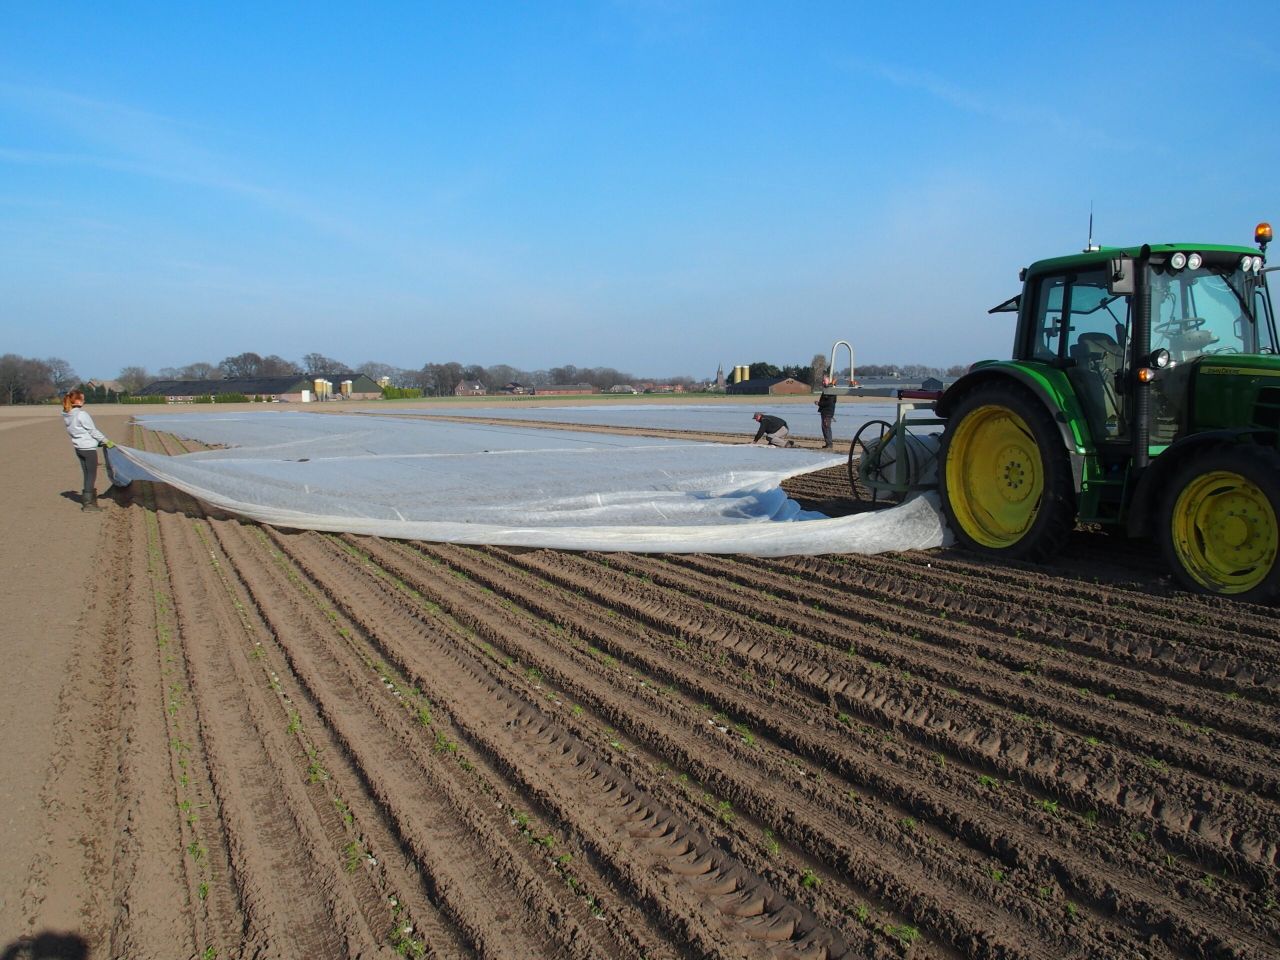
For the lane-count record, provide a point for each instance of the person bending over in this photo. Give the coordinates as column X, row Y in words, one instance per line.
column 773, row 430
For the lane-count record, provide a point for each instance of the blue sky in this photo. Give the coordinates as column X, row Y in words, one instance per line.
column 655, row 186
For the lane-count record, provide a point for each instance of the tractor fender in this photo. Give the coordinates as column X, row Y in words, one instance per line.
column 1150, row 487
column 1034, row 386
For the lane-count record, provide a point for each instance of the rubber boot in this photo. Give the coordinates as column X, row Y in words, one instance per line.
column 89, row 502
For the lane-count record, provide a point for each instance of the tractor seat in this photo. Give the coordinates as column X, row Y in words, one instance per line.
column 1097, row 350
column 1098, row 359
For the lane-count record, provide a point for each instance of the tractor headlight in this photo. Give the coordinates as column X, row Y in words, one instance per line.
column 1194, row 261
column 1178, row 260
column 1246, row 264
column 1257, row 264
column 1159, row 358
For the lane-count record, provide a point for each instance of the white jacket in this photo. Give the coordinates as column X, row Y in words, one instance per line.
column 84, row 435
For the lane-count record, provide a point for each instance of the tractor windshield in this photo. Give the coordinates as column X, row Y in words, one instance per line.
column 1207, row 311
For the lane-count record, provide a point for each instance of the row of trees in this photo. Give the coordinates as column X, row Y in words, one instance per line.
column 432, row 379
column 29, row 380
column 817, row 369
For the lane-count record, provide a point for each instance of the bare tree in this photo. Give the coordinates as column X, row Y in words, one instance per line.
column 23, row 380
column 817, row 369
column 61, row 375
column 375, row 371
column 448, row 376
column 134, row 379
column 499, row 375
column 199, row 371
column 242, row 365
column 277, row 366
column 315, row 363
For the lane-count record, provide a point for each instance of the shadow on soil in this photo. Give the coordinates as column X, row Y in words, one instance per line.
column 47, row 946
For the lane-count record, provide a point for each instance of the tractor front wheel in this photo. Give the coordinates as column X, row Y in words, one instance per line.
column 1218, row 523
column 1005, row 479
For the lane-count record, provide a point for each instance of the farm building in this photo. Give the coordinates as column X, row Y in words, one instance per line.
column 470, row 388
column 299, row 388
column 775, row 386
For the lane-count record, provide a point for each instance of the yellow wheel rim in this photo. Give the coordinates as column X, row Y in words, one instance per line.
column 995, row 476
column 1224, row 532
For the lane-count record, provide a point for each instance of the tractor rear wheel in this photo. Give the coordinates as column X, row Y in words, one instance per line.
column 1005, row 479
column 1218, row 523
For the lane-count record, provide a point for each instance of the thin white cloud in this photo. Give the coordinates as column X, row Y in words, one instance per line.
column 124, row 139
column 1007, row 111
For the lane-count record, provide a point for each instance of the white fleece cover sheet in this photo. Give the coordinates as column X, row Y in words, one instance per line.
column 416, row 479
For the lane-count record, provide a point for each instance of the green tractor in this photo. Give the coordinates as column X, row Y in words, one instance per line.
column 1143, row 396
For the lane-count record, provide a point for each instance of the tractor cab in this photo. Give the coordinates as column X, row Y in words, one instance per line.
column 1077, row 315
column 1143, row 393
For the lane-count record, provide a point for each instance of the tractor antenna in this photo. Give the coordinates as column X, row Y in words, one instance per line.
column 1090, row 246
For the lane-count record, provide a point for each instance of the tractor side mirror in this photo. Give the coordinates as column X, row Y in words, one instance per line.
column 1122, row 274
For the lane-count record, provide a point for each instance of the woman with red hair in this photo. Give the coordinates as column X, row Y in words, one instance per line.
column 86, row 438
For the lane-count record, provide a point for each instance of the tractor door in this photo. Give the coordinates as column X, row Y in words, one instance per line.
column 1081, row 327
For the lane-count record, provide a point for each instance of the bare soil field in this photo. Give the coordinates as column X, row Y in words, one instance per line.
column 272, row 743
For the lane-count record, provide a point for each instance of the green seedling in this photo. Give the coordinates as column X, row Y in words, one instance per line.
column 810, row 880
column 343, row 811
column 351, row 857
column 903, row 933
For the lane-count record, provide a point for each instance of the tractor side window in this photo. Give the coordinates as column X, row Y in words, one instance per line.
column 1096, row 338
column 1047, row 332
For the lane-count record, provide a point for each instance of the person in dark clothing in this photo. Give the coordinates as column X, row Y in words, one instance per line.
column 773, row 430
column 826, row 404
